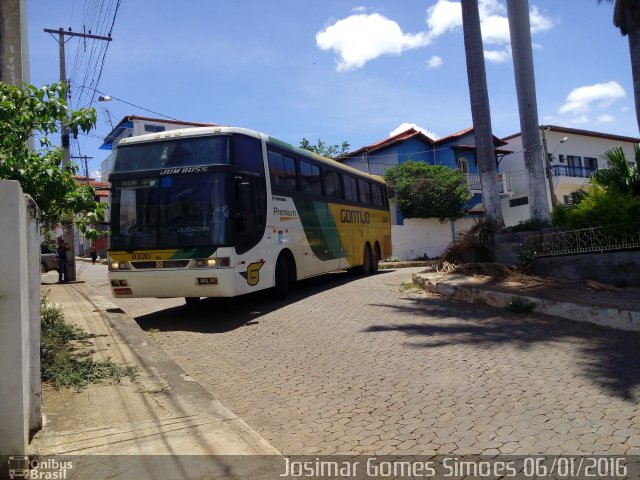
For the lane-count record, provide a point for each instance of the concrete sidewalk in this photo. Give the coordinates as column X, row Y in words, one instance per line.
column 581, row 301
column 162, row 411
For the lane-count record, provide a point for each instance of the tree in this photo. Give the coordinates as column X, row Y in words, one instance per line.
column 429, row 191
column 31, row 112
column 520, row 31
column 324, row 150
column 619, row 177
column 480, row 111
column 626, row 17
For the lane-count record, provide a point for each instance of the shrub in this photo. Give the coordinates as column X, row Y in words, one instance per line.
column 520, row 305
column 600, row 208
column 531, row 225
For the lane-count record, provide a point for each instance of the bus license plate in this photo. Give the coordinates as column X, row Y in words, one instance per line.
column 122, row 291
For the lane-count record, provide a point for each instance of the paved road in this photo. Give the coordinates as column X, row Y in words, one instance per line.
column 365, row 365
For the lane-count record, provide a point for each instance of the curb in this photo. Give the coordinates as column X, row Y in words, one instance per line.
column 170, row 375
column 607, row 317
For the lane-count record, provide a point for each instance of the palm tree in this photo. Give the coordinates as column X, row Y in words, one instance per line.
column 619, row 176
column 480, row 111
column 520, row 31
column 626, row 16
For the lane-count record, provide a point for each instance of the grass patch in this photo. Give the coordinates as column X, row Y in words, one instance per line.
column 61, row 365
column 520, row 305
column 409, row 287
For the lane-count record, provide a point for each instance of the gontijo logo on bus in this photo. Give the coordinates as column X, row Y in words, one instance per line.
column 354, row 216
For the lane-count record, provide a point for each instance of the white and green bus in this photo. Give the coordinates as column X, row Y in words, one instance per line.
column 223, row 211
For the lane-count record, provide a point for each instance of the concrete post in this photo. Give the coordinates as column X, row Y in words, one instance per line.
column 14, row 45
column 14, row 322
column 33, row 252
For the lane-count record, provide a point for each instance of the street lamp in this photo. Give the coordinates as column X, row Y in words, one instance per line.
column 104, row 98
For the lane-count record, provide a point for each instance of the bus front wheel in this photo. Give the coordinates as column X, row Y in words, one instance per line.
column 281, row 288
column 192, row 302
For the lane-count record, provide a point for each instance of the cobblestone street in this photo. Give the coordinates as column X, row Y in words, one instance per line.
column 373, row 366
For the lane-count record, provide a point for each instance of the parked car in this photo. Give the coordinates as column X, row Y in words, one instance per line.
column 48, row 259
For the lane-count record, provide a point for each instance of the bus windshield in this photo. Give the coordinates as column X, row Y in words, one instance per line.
column 181, row 152
column 172, row 211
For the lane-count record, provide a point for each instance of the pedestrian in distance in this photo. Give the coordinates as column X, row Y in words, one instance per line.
column 62, row 250
column 94, row 253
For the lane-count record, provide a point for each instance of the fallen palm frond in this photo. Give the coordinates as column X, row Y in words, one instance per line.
column 477, row 242
column 487, row 269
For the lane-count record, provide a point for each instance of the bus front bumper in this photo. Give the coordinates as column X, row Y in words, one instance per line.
column 173, row 283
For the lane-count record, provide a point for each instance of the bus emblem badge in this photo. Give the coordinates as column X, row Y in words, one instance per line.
column 159, row 264
column 252, row 275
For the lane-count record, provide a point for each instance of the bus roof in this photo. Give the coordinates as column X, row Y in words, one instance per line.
column 213, row 130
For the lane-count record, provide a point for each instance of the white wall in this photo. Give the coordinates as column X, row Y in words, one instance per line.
column 18, row 247
column 420, row 236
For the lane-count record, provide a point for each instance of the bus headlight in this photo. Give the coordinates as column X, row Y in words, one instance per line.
column 116, row 265
column 212, row 262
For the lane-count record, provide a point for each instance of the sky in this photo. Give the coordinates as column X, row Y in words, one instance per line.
column 336, row 70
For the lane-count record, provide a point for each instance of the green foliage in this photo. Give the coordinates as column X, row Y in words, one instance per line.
column 59, row 363
column 27, row 112
column 392, row 259
column 324, row 150
column 527, row 253
column 619, row 177
column 599, row 208
column 429, row 191
column 520, row 305
column 531, row 225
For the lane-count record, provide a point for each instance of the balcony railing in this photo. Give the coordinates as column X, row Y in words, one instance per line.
column 569, row 171
column 504, row 182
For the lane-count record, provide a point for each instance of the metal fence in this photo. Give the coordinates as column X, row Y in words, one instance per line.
column 588, row 240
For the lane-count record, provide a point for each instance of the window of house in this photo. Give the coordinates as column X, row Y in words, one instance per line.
column 590, row 162
column 574, row 161
column 153, row 128
column 462, row 165
column 310, row 179
column 516, row 202
column 561, row 158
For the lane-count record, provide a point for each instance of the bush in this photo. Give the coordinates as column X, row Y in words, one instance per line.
column 599, row 208
column 531, row 225
column 59, row 363
column 520, row 305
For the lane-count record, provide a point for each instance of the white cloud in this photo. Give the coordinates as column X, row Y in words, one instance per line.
column 406, row 126
column 443, row 17
column 97, row 174
column 360, row 38
column 434, row 62
column 580, row 99
column 359, row 9
column 498, row 56
column 581, row 120
column 606, row 118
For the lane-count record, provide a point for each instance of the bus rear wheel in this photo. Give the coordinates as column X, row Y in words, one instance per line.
column 366, row 268
column 376, row 259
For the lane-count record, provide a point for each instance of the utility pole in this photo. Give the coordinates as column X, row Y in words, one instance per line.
column 67, row 225
column 547, row 163
column 86, row 165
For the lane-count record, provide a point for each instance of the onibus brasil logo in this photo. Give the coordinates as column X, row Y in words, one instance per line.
column 49, row 469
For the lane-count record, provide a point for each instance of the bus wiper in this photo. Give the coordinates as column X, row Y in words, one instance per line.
column 133, row 231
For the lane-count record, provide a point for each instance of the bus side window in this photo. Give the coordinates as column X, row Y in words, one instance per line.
column 333, row 184
column 350, row 188
column 364, row 189
column 276, row 169
column 310, row 179
column 377, row 195
column 290, row 179
column 247, row 152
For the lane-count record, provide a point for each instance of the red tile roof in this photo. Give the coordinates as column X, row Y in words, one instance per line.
column 407, row 134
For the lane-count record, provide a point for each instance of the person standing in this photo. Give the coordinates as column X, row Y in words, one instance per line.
column 94, row 253
column 62, row 250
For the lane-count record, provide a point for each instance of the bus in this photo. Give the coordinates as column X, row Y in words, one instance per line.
column 225, row 211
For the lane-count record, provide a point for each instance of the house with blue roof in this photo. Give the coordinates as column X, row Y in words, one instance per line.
column 415, row 237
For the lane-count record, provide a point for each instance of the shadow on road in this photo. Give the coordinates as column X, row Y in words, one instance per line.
column 219, row 315
column 609, row 357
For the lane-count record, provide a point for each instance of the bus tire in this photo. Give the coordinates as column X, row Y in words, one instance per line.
column 376, row 259
column 192, row 302
column 367, row 261
column 281, row 288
